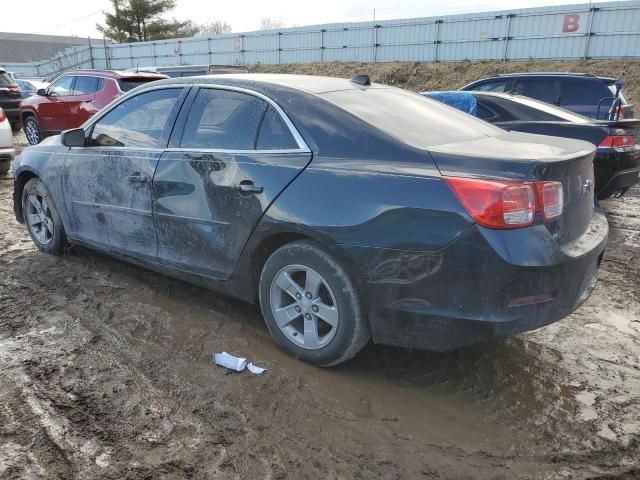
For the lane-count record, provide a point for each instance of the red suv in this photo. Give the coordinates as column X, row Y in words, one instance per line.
column 73, row 97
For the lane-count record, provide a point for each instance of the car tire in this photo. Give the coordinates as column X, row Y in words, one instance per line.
column 5, row 165
column 311, row 305
column 42, row 218
column 32, row 130
column 16, row 126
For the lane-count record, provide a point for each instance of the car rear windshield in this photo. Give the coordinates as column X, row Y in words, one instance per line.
column 410, row 117
column 127, row 84
column 6, row 80
column 538, row 110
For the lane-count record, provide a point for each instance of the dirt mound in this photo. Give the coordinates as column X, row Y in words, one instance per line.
column 451, row 76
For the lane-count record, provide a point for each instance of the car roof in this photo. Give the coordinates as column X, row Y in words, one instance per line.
column 116, row 74
column 306, row 83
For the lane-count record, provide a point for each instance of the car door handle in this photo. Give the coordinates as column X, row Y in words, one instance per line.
column 248, row 187
column 137, row 178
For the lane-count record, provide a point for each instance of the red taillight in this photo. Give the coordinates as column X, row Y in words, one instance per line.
column 617, row 141
column 550, row 199
column 505, row 204
column 496, row 203
column 3, row 117
column 15, row 90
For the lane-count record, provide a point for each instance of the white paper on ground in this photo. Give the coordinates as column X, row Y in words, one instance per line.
column 236, row 363
column 255, row 370
column 229, row 361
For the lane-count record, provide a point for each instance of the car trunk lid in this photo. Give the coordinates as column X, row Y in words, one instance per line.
column 530, row 158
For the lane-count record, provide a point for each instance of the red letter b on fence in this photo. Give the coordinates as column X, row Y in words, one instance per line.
column 571, row 23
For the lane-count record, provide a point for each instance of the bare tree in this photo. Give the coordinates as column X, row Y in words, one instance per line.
column 216, row 27
column 268, row 23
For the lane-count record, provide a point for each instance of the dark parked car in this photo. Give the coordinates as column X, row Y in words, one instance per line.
column 617, row 160
column 10, row 98
column 348, row 210
column 582, row 93
column 74, row 97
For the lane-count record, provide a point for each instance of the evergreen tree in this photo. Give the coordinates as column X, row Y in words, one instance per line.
column 141, row 20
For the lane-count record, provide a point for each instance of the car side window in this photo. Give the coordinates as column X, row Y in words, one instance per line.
column 540, row 89
column 486, row 113
column 61, row 87
column 223, row 119
column 492, row 86
column 86, row 85
column 274, row 133
column 138, row 122
column 583, row 92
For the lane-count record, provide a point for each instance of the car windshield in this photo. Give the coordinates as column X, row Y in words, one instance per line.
column 410, row 117
column 562, row 113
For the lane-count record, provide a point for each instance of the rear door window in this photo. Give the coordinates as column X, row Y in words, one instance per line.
column 538, row 88
column 224, row 120
column 86, row 85
column 62, row 87
column 139, row 122
column 274, row 133
column 583, row 92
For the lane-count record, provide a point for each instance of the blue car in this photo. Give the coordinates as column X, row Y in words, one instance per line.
column 348, row 210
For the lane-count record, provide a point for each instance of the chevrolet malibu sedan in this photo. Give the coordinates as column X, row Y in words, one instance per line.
column 348, row 210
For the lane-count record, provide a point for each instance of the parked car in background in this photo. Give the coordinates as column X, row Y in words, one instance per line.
column 346, row 209
column 10, row 98
column 582, row 93
column 617, row 159
column 74, row 97
column 7, row 152
column 30, row 88
column 177, row 71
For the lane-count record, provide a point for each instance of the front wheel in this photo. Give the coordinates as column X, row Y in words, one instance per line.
column 42, row 218
column 311, row 305
column 32, row 130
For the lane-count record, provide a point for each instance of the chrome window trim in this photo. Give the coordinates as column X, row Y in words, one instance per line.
column 302, row 145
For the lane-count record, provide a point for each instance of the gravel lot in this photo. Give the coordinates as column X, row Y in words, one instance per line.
column 106, row 372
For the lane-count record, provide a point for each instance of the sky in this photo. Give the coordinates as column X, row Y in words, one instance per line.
column 79, row 18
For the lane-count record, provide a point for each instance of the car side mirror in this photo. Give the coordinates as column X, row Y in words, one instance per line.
column 74, row 138
column 42, row 92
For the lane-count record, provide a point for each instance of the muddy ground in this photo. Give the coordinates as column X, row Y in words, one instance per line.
column 106, row 372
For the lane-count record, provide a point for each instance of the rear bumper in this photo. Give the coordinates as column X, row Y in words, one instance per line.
column 487, row 283
column 13, row 114
column 616, row 170
column 620, row 180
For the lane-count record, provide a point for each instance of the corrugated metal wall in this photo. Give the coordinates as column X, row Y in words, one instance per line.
column 598, row 30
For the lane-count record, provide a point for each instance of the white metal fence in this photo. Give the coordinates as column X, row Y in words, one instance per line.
column 598, row 30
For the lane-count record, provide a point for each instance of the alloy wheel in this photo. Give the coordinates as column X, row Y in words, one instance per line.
column 39, row 218
column 304, row 307
column 32, row 132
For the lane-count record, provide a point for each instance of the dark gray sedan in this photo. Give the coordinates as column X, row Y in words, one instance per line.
column 349, row 210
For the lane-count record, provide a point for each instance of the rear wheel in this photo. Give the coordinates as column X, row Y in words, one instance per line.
column 32, row 130
column 42, row 218
column 5, row 165
column 311, row 305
